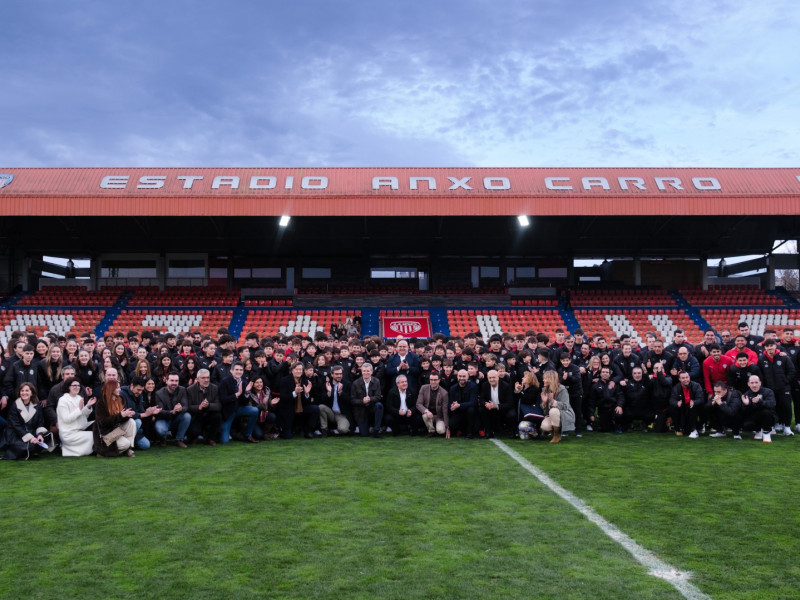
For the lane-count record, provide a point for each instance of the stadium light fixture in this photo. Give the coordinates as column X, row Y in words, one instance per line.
column 523, row 220
column 284, row 220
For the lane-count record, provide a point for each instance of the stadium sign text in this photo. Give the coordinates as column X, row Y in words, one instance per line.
column 417, row 183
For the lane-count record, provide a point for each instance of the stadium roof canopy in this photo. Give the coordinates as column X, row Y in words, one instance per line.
column 390, row 211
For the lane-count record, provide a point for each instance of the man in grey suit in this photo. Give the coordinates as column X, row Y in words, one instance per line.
column 365, row 394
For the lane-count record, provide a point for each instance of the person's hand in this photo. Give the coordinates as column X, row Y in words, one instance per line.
column 298, row 390
column 518, row 387
column 624, row 383
column 618, row 410
column 127, row 413
column 328, row 387
column 275, row 401
column 447, row 434
column 3, row 402
column 454, row 406
column 429, row 414
column 611, row 384
column 178, row 408
column 691, row 403
column 203, row 405
column 88, row 390
column 91, row 402
column 307, row 388
column 249, row 387
column 564, row 376
column 366, row 399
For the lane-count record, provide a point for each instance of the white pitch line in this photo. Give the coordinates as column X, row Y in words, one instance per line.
column 654, row 565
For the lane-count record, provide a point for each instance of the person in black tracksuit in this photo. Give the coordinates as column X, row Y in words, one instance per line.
column 636, row 401
column 687, row 400
column 777, row 372
column 606, row 398
column 739, row 374
column 569, row 375
column 790, row 347
column 661, row 384
column 725, row 410
column 758, row 408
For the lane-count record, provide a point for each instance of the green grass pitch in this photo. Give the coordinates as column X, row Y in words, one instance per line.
column 403, row 518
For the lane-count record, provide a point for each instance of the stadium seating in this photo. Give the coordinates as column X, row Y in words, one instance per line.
column 293, row 322
column 534, row 302
column 637, row 322
column 70, row 296
column 621, row 297
column 42, row 321
column 513, row 321
column 758, row 319
column 172, row 321
column 730, row 295
column 185, row 296
column 270, row 302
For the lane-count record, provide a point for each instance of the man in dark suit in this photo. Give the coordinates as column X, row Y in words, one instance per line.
column 496, row 405
column 205, row 408
column 401, row 408
column 234, row 404
column 365, row 395
column 335, row 409
column 403, row 362
column 463, row 405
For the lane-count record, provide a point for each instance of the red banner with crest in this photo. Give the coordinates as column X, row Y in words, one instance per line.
column 406, row 327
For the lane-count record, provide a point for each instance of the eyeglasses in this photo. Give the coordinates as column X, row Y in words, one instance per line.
column 77, row 385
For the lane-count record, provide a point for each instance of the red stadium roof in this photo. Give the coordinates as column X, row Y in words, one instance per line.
column 398, row 191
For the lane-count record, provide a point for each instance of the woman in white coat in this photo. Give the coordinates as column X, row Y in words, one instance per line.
column 73, row 421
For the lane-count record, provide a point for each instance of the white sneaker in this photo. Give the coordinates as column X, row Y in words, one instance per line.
column 694, row 435
column 589, row 428
column 703, row 430
column 797, row 428
column 737, row 437
column 772, row 431
column 767, row 438
column 778, row 428
column 759, row 435
column 718, row 434
column 788, row 431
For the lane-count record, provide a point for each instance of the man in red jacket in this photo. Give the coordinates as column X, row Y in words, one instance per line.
column 715, row 368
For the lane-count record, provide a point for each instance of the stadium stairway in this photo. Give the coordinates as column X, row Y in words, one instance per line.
column 370, row 323
column 439, row 322
column 112, row 313
column 11, row 300
column 568, row 315
column 238, row 319
column 782, row 293
column 694, row 313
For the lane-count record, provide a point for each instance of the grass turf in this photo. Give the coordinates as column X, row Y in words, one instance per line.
column 400, row 518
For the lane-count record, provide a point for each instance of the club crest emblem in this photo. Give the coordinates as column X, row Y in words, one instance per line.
column 5, row 179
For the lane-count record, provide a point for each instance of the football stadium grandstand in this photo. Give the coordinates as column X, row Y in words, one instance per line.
column 299, row 251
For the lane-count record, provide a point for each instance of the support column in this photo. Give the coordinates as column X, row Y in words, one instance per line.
column 704, row 272
column 770, row 272
column 637, row 271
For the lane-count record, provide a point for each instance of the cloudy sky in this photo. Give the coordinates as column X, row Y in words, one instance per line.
column 415, row 83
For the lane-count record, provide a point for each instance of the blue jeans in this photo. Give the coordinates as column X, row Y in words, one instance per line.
column 142, row 443
column 251, row 412
column 178, row 424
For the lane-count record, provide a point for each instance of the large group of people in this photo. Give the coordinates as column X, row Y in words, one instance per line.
column 108, row 397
